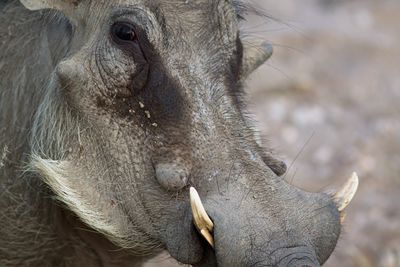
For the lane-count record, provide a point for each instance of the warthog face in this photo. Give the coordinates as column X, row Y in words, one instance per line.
column 144, row 103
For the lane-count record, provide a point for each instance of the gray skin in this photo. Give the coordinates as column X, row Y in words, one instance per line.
column 100, row 139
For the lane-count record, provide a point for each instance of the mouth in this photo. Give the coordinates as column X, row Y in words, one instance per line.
column 181, row 237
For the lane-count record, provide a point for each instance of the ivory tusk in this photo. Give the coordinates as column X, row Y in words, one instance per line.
column 202, row 221
column 344, row 196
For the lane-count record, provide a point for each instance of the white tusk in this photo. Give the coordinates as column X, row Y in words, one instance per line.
column 202, row 221
column 347, row 192
column 208, row 236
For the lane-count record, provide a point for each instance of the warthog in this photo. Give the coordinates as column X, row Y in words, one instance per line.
column 123, row 134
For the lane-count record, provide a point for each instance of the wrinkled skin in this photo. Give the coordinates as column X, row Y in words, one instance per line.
column 117, row 130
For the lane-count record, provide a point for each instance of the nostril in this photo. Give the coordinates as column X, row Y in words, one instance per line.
column 171, row 176
column 298, row 261
column 302, row 265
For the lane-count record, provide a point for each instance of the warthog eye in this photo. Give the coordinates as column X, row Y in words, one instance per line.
column 123, row 32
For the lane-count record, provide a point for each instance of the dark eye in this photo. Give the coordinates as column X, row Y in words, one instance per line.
column 123, row 32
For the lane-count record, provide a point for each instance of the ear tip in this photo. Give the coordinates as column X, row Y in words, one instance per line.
column 267, row 47
column 31, row 4
column 45, row 4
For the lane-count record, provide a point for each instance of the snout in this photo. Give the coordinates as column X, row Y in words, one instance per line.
column 245, row 233
column 243, row 236
column 239, row 228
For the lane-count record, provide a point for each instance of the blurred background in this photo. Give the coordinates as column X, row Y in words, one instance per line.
column 328, row 102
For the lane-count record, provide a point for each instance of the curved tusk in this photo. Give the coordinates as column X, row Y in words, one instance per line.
column 202, row 221
column 347, row 192
column 254, row 56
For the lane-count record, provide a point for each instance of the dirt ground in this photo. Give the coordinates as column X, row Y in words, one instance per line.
column 328, row 102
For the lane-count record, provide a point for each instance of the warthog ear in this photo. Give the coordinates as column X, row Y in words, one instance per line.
column 254, row 55
column 53, row 4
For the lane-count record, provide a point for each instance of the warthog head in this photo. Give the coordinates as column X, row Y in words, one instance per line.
column 144, row 103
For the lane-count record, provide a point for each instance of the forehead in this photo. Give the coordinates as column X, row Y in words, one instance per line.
column 205, row 21
column 169, row 10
